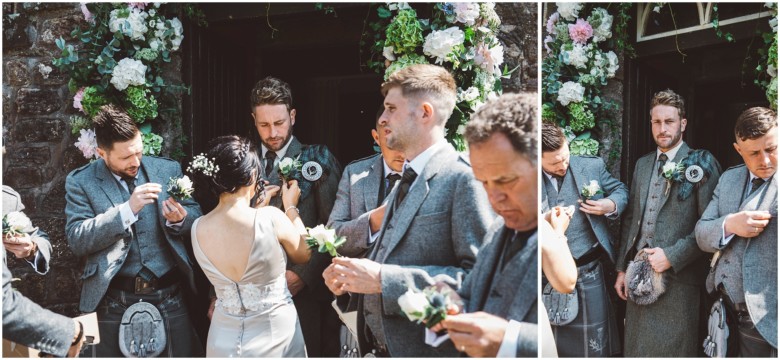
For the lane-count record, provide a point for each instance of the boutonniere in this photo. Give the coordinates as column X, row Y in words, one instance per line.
column 429, row 306
column 324, row 240
column 590, row 190
column 288, row 168
column 672, row 172
column 181, row 188
column 16, row 223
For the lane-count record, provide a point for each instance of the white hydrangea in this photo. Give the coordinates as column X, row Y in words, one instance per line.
column 128, row 72
column 466, row 12
column 577, row 56
column 469, row 94
column 570, row 92
column 134, row 25
column 569, row 10
column 604, row 20
column 490, row 59
column 440, row 44
column 178, row 34
column 388, row 52
column 398, row 6
column 613, row 66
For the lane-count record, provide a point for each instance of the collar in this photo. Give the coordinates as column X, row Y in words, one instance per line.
column 119, row 178
column 388, row 170
column 279, row 154
column 419, row 162
column 751, row 177
column 670, row 154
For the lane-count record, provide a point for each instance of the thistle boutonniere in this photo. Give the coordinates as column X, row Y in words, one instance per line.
column 324, row 240
column 289, row 167
column 16, row 223
column 672, row 172
column 180, row 189
column 429, row 306
column 590, row 190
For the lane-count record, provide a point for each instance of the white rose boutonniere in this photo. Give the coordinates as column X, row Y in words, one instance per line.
column 590, row 190
column 16, row 223
column 288, row 168
column 672, row 171
column 181, row 188
column 325, row 240
column 429, row 306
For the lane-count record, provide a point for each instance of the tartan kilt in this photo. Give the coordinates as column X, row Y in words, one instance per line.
column 594, row 332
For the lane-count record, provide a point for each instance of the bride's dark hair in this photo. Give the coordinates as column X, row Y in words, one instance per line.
column 239, row 166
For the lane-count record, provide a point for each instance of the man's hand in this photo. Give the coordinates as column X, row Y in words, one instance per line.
column 173, row 211
column 620, row 285
column 144, row 195
column 212, row 305
column 358, row 275
column 376, row 217
column 477, row 334
column 21, row 245
column 597, row 207
column 658, row 259
column 746, row 224
column 76, row 349
column 294, row 282
column 559, row 220
column 270, row 192
column 291, row 193
column 332, row 280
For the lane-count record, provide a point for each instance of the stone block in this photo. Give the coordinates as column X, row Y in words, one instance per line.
column 30, row 284
column 40, row 130
column 23, row 177
column 16, row 72
column 53, row 29
column 31, row 101
column 73, row 158
column 15, row 35
column 54, row 200
column 29, row 155
column 63, row 284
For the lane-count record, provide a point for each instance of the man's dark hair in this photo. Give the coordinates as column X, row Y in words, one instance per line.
column 669, row 98
column 112, row 125
column 754, row 123
column 271, row 91
column 552, row 137
column 513, row 115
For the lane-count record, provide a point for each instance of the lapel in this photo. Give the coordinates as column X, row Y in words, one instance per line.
column 489, row 257
column 644, row 177
column 153, row 175
column 416, row 196
column 108, row 184
column 578, row 174
column 759, row 200
column 515, row 301
column 681, row 154
column 373, row 183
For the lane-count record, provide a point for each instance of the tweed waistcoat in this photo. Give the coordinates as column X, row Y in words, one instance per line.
column 654, row 197
column 581, row 237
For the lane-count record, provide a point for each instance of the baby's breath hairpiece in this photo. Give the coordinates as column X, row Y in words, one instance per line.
column 203, row 164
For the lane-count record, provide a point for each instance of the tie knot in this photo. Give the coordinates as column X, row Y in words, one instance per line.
column 270, row 155
column 663, row 157
column 129, row 180
column 393, row 177
column 758, row 181
column 409, row 175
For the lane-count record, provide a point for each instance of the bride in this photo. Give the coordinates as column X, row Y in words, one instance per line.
column 243, row 252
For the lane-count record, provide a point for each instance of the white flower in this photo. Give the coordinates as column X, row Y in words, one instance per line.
column 773, row 23
column 570, row 92
column 87, row 143
column 322, row 234
column 771, row 70
column 387, row 51
column 657, row 9
column 413, row 304
column 461, row 129
column 128, row 72
column 601, row 21
column 577, row 56
column 178, row 34
column 152, row 12
column 44, row 70
column 569, row 10
column 591, row 189
column 466, row 13
column 398, row 6
column 669, row 168
column 18, row 222
column 469, row 94
column 490, row 59
column 440, row 44
column 184, row 183
column 613, row 66
column 203, row 164
column 154, row 45
column 134, row 25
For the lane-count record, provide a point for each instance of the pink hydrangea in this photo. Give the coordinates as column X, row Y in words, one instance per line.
column 552, row 21
column 87, row 143
column 580, row 32
column 87, row 14
column 77, row 100
column 138, row 5
column 547, row 41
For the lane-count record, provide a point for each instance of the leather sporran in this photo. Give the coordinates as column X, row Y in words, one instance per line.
column 644, row 285
column 561, row 308
column 142, row 331
column 715, row 345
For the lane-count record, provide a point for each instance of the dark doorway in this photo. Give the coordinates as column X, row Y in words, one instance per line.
column 713, row 77
column 318, row 54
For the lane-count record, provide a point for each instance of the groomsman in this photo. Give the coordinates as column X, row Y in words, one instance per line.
column 500, row 294
column 436, row 220
column 660, row 219
column 121, row 219
column 34, row 247
column 593, row 332
column 274, row 117
column 740, row 226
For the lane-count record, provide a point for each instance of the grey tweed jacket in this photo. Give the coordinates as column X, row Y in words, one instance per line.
column 759, row 263
column 94, row 226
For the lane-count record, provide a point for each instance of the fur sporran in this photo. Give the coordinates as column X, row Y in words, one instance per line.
column 644, row 285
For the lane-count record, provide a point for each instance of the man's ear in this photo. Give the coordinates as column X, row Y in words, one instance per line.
column 736, row 147
column 683, row 124
column 428, row 111
column 375, row 135
column 292, row 117
column 103, row 154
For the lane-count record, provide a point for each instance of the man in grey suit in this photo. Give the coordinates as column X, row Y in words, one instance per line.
column 34, row 247
column 593, row 332
column 501, row 292
column 434, row 223
column 740, row 226
column 274, row 117
column 660, row 219
column 122, row 220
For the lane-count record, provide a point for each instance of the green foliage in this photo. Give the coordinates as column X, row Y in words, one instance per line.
column 141, row 106
column 405, row 32
column 152, row 144
column 581, row 147
column 581, row 118
column 92, row 101
column 716, row 25
column 78, row 123
column 404, row 61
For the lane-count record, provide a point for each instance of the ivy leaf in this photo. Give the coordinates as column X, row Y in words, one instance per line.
column 145, row 128
column 60, row 43
column 383, row 12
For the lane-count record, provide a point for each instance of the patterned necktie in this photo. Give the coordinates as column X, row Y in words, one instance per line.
column 515, row 244
column 559, row 181
column 270, row 156
column 391, row 180
column 406, row 181
column 756, row 183
column 130, row 181
column 661, row 162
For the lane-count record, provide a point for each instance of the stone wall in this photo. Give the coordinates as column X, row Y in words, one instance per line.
column 518, row 33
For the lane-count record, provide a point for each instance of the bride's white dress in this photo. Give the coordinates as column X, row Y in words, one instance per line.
column 254, row 317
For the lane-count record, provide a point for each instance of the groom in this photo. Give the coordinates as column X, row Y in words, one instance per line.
column 274, row 117
column 123, row 221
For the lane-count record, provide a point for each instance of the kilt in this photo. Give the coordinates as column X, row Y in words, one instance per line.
column 593, row 333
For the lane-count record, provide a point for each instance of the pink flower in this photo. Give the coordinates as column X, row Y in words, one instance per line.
column 138, row 5
column 580, row 32
column 87, row 143
column 547, row 41
column 552, row 21
column 87, row 14
column 77, row 100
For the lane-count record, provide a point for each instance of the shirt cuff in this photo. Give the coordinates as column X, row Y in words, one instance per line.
column 36, row 262
column 509, row 344
column 177, row 225
column 372, row 236
column 724, row 240
column 612, row 214
column 128, row 218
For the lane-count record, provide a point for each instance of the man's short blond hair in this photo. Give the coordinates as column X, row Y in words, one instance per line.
column 432, row 83
column 669, row 98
